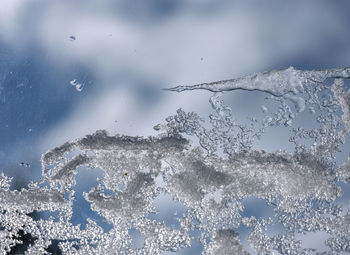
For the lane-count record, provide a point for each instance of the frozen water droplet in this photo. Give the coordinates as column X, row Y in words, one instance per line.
column 78, row 86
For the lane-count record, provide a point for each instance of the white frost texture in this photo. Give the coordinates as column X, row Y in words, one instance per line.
column 210, row 179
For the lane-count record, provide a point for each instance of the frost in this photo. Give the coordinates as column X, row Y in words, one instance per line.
column 225, row 242
column 277, row 83
column 344, row 171
column 343, row 98
column 210, row 180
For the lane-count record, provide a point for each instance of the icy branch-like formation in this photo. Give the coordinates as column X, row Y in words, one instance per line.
column 211, row 181
column 277, row 83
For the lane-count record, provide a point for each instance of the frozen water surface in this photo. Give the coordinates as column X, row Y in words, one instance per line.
column 207, row 186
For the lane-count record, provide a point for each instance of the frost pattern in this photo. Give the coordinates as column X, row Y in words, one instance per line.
column 211, row 180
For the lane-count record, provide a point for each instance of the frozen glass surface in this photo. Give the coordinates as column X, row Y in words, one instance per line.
column 174, row 127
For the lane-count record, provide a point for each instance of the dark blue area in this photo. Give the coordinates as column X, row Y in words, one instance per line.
column 35, row 93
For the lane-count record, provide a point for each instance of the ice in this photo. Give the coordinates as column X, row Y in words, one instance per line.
column 264, row 109
column 343, row 97
column 225, row 242
column 78, row 86
column 277, row 83
column 210, row 181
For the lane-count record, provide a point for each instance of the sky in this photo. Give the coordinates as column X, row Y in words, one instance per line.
column 124, row 52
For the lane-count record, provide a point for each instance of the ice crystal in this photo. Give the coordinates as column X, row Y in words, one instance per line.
column 210, row 180
column 78, row 86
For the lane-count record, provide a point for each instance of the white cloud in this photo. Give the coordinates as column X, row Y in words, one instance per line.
column 188, row 46
column 119, row 111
